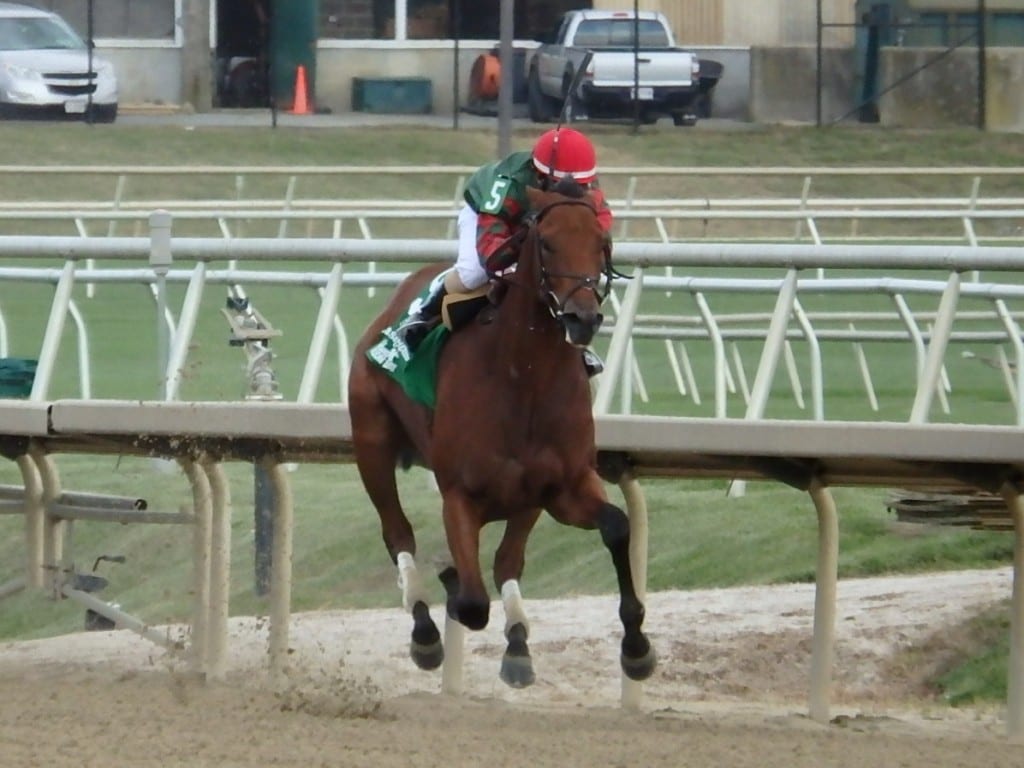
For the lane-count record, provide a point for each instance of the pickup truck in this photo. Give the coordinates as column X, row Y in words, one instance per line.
column 664, row 79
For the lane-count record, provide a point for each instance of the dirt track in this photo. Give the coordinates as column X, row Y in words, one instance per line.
column 731, row 689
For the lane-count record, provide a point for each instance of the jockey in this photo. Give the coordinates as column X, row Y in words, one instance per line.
column 495, row 204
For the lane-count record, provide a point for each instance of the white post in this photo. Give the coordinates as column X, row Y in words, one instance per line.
column 202, row 503
column 34, row 516
column 54, row 330
column 1015, row 666
column 936, row 350
column 281, row 567
column 822, row 646
column 160, row 260
column 220, row 568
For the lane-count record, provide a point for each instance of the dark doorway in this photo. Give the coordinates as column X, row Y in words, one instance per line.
column 243, row 36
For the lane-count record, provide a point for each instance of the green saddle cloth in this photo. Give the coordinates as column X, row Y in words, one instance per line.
column 415, row 372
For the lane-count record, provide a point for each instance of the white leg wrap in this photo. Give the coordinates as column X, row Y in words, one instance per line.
column 409, row 582
column 512, row 600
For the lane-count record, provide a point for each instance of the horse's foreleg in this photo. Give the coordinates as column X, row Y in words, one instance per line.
column 425, row 647
column 462, row 523
column 638, row 659
column 516, row 664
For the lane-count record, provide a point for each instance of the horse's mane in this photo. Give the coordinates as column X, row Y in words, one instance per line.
column 569, row 188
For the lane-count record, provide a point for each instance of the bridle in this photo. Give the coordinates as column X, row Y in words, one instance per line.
column 600, row 284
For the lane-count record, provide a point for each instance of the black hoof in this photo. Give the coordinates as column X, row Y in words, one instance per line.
column 517, row 671
column 516, row 664
column 639, row 667
column 472, row 615
column 426, row 648
column 428, row 657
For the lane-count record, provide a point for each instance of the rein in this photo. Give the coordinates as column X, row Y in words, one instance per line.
column 600, row 284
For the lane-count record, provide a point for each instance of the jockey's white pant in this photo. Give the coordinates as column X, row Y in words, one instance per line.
column 467, row 263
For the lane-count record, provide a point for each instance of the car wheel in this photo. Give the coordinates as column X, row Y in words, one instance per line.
column 684, row 119
column 537, row 103
column 104, row 113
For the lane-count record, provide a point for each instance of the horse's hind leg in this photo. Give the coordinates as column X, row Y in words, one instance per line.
column 588, row 507
column 377, row 439
column 516, row 663
column 638, row 659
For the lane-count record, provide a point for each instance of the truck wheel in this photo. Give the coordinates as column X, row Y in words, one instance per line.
column 537, row 103
column 684, row 119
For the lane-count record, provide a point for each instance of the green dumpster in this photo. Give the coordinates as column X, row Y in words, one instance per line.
column 293, row 39
column 16, row 376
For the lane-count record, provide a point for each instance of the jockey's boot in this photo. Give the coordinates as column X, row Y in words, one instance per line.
column 592, row 363
column 422, row 321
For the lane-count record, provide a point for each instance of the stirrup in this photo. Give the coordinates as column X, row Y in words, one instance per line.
column 414, row 330
column 592, row 363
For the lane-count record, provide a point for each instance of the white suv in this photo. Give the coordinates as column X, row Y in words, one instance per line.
column 44, row 68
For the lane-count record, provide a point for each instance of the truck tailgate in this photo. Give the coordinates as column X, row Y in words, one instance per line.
column 615, row 68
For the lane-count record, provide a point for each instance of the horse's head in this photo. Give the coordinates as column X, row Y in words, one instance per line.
column 571, row 258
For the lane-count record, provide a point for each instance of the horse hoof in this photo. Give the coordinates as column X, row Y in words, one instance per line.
column 472, row 614
column 428, row 657
column 640, row 667
column 426, row 648
column 517, row 671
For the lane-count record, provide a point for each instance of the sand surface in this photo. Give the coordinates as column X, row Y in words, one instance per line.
column 731, row 690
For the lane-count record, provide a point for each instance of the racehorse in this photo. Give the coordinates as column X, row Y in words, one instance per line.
column 511, row 433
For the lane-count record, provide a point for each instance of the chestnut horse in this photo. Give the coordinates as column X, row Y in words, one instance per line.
column 511, row 434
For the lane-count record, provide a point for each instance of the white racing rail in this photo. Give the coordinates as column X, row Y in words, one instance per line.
column 810, row 456
column 930, row 336
column 650, row 202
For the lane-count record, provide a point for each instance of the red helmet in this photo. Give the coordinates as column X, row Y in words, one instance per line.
column 565, row 153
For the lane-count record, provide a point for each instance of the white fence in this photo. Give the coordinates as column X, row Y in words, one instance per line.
column 994, row 320
column 811, row 455
column 973, row 205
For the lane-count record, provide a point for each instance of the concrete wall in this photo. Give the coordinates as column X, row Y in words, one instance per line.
column 731, row 97
column 770, row 85
column 146, row 75
column 943, row 92
column 336, row 67
column 783, row 84
column 1004, row 95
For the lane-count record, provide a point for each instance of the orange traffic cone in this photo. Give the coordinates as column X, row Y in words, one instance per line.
column 301, row 102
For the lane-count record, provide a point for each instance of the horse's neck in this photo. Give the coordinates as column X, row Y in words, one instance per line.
column 531, row 340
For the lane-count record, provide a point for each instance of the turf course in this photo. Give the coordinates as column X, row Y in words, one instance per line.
column 699, row 537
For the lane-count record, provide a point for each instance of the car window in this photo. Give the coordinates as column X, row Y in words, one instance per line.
column 37, row 33
column 618, row 33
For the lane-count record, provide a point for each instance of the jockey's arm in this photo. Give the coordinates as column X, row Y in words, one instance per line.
column 496, row 243
column 604, row 213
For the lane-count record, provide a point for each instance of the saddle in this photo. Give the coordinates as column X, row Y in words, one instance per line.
column 416, row 372
column 458, row 309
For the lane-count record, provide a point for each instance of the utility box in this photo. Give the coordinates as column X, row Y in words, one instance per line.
column 17, row 375
column 397, row 95
column 293, row 38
